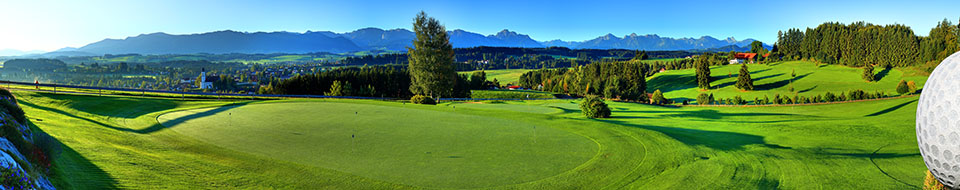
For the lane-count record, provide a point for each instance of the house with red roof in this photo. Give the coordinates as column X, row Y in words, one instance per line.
column 741, row 58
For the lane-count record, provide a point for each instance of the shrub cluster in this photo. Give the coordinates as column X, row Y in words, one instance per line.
column 593, row 107
column 778, row 99
column 421, row 99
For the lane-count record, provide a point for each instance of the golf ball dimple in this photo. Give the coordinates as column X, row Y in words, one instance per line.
column 938, row 121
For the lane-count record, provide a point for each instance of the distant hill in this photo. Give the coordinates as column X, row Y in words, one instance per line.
column 366, row 39
column 221, row 42
column 13, row 52
column 654, row 42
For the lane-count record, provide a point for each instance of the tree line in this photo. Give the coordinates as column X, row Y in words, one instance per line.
column 860, row 44
column 623, row 80
column 378, row 81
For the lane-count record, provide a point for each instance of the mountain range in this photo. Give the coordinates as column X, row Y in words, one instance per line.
column 227, row 41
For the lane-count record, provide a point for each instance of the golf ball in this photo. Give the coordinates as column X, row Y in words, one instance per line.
column 938, row 121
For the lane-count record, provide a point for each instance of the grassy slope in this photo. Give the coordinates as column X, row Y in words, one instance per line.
column 776, row 78
column 117, row 141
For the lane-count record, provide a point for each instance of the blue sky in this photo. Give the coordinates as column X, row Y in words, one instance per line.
column 50, row 25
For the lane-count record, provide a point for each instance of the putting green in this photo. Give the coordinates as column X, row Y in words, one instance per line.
column 407, row 144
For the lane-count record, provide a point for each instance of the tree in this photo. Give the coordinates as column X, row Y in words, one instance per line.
column 612, row 89
column 757, row 47
column 594, row 107
column 744, row 82
column 640, row 55
column 902, row 88
column 478, row 80
column 703, row 99
column 657, row 98
column 431, row 58
column 868, row 73
column 703, row 72
column 339, row 89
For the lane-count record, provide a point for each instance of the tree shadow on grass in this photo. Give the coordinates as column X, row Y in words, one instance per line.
column 882, row 74
column 778, row 84
column 754, row 79
column 565, row 110
column 724, row 141
column 759, row 71
column 890, row 109
column 112, row 106
column 153, row 128
column 808, row 89
column 668, row 83
column 709, row 114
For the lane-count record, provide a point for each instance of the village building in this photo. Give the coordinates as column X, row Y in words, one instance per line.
column 206, row 82
column 742, row 58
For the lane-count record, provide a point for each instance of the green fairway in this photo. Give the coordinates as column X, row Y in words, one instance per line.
column 307, row 144
column 423, row 147
column 776, row 78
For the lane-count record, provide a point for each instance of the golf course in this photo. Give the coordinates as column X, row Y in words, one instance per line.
column 150, row 142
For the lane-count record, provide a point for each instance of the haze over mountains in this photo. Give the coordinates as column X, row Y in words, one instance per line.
column 365, row 39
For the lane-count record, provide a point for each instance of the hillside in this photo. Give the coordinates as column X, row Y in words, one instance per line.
column 776, row 78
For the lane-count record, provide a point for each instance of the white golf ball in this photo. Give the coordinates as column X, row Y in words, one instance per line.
column 938, row 121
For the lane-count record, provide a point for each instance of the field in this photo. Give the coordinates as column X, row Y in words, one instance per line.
column 776, row 78
column 149, row 143
column 505, row 76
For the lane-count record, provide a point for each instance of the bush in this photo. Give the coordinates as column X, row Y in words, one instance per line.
column 421, row 99
column 658, row 98
column 902, row 88
column 912, row 86
column 593, row 107
column 703, row 99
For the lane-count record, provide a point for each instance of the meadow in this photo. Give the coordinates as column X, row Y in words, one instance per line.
column 778, row 78
column 129, row 142
column 504, row 76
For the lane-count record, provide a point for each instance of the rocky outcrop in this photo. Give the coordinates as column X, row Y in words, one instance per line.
column 16, row 169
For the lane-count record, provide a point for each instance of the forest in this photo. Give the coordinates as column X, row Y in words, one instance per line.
column 491, row 58
column 859, row 44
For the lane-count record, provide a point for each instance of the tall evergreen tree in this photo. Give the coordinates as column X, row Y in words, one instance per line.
column 703, row 72
column 868, row 73
column 431, row 58
column 744, row 82
column 639, row 55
